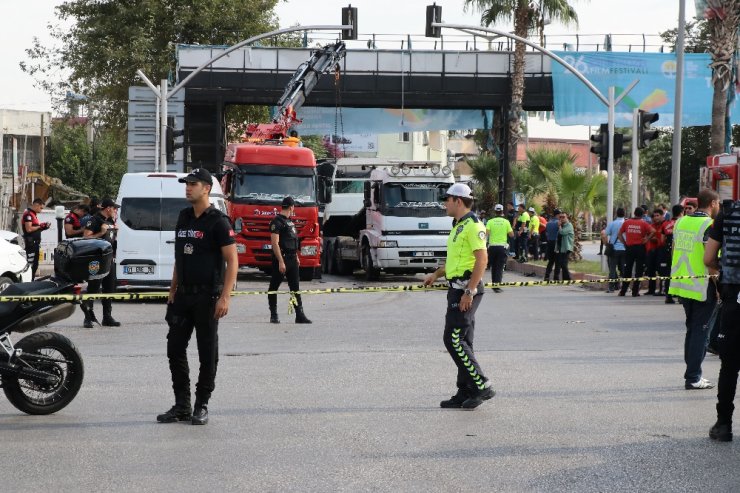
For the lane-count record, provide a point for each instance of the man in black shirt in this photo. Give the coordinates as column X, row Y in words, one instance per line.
column 102, row 226
column 205, row 272
column 32, row 229
column 285, row 262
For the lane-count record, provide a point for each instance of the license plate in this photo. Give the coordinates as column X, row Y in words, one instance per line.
column 267, row 246
column 422, row 254
column 138, row 269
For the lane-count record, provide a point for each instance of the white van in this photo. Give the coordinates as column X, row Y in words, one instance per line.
column 150, row 204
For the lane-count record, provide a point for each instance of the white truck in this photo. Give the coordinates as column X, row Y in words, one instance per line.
column 401, row 226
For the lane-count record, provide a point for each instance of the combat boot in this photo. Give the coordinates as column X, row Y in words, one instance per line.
column 274, row 319
column 300, row 317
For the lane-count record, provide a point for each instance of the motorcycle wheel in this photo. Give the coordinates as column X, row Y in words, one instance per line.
column 50, row 353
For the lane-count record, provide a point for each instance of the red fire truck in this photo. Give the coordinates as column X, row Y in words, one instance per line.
column 270, row 165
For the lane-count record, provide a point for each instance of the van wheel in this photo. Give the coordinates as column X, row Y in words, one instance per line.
column 305, row 273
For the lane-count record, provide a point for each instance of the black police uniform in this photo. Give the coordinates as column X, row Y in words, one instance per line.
column 289, row 244
column 200, row 268
column 32, row 240
column 725, row 230
column 108, row 283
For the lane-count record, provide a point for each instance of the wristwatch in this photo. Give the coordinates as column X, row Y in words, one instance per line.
column 471, row 292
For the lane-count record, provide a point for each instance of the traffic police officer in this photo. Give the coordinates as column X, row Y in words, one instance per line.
column 103, row 226
column 464, row 269
column 725, row 234
column 205, row 271
column 73, row 227
column 285, row 262
column 698, row 296
column 32, row 229
column 498, row 231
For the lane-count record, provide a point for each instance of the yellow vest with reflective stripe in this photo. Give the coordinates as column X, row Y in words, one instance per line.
column 688, row 257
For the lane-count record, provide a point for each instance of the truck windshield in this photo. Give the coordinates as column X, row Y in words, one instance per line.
column 414, row 199
column 271, row 189
column 349, row 186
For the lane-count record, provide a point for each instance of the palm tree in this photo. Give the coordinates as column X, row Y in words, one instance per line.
column 527, row 15
column 485, row 170
column 723, row 17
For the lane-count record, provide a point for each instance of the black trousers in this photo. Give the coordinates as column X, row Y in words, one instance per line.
column 634, row 257
column 656, row 264
column 534, row 245
column 561, row 264
column 188, row 312
column 497, row 256
column 550, row 258
column 291, row 274
column 728, row 341
column 458, row 339
column 32, row 255
column 105, row 285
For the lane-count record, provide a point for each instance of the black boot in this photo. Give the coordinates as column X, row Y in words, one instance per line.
column 300, row 317
column 721, row 431
column 456, row 401
column 181, row 411
column 274, row 319
column 108, row 319
column 200, row 413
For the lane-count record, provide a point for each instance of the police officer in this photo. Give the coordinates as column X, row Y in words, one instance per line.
column 285, row 262
column 498, row 231
column 534, row 233
column 464, row 269
column 698, row 296
column 32, row 229
column 73, row 226
column 102, row 226
column 725, row 234
column 205, row 271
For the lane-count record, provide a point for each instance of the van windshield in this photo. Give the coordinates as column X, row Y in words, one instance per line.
column 151, row 214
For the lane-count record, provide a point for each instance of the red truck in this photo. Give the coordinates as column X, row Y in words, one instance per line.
column 256, row 178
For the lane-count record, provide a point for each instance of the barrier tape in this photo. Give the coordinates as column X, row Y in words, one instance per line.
column 140, row 296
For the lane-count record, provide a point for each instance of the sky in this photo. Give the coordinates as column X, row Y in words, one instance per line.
column 24, row 20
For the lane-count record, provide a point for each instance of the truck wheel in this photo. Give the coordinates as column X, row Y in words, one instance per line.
column 326, row 258
column 305, row 273
column 330, row 259
column 371, row 273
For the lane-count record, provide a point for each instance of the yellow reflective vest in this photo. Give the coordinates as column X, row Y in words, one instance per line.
column 688, row 257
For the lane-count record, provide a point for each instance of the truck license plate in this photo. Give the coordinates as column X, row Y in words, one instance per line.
column 422, row 254
column 138, row 269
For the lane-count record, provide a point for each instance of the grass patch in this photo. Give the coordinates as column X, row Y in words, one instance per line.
column 582, row 266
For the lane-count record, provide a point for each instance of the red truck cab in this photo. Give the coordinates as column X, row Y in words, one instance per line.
column 256, row 178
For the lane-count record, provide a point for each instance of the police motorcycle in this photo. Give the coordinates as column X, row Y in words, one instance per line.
column 43, row 372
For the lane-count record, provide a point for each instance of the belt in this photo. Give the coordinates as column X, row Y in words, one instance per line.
column 199, row 289
column 498, row 245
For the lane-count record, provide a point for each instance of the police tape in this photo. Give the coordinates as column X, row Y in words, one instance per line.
column 159, row 295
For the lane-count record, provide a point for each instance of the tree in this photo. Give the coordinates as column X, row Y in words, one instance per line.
column 485, row 170
column 723, row 17
column 94, row 168
column 527, row 16
column 109, row 39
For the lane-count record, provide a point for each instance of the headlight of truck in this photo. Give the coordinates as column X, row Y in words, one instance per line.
column 241, row 248
column 308, row 251
column 388, row 244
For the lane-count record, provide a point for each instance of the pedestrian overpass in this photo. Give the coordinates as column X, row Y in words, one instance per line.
column 429, row 79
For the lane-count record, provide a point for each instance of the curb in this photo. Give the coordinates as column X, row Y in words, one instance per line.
column 539, row 272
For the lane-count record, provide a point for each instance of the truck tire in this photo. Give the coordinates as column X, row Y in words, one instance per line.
column 330, row 269
column 326, row 258
column 343, row 267
column 371, row 273
column 305, row 273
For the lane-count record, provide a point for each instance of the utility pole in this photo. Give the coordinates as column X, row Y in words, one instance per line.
column 42, row 148
column 636, row 158
column 678, row 107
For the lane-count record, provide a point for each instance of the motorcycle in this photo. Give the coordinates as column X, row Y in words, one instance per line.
column 43, row 372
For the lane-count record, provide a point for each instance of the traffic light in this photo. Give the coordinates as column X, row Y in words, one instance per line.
column 434, row 14
column 645, row 134
column 601, row 146
column 173, row 134
column 349, row 18
column 622, row 145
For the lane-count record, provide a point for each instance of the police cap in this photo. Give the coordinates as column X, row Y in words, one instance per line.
column 198, row 174
column 288, row 202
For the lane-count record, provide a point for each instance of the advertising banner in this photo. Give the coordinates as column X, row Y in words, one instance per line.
column 575, row 104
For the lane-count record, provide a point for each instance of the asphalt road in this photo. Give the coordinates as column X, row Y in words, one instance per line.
column 590, row 398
